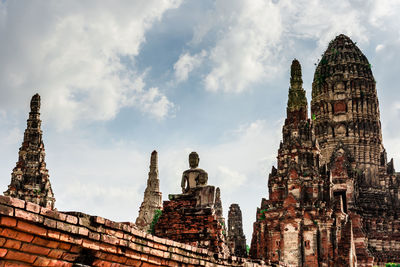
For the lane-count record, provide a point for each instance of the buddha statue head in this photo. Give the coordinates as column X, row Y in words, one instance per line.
column 194, row 160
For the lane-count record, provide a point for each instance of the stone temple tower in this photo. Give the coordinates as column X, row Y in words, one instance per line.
column 236, row 238
column 345, row 107
column 152, row 196
column 30, row 178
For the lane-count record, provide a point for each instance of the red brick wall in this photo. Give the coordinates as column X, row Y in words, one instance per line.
column 31, row 235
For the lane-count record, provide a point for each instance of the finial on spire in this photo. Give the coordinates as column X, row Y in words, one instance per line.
column 295, row 75
column 35, row 103
column 297, row 95
column 154, row 159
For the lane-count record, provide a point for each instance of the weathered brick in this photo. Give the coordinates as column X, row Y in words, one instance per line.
column 6, row 210
column 70, row 256
column 95, row 236
column 99, row 220
column 109, row 239
column 10, row 201
column 56, row 253
column 90, row 244
column 53, row 214
column 8, row 233
column 20, row 256
column 3, row 252
column 50, row 222
column 71, row 219
column 64, row 246
column 35, row 249
column 45, row 243
column 14, row 244
column 83, row 231
column 42, row 261
column 108, row 248
column 8, row 221
column 53, row 234
column 32, row 207
column 31, row 228
column 28, row 216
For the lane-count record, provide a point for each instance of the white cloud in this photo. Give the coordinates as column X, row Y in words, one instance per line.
column 379, row 47
column 186, row 64
column 73, row 53
column 154, row 102
column 253, row 39
column 247, row 38
column 383, row 10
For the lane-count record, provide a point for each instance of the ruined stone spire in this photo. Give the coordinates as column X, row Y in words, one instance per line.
column 236, row 238
column 345, row 105
column 152, row 196
column 218, row 210
column 30, row 178
column 297, row 101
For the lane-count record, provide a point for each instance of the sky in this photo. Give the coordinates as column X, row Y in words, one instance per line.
column 119, row 79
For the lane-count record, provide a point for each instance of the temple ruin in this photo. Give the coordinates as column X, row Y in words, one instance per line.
column 152, row 196
column 30, row 178
column 333, row 199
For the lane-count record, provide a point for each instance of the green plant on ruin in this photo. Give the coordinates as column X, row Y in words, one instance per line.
column 157, row 215
column 392, row 264
column 262, row 212
column 37, row 191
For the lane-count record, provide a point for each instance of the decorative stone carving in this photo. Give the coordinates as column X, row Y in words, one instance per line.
column 334, row 199
column 30, row 178
column 152, row 196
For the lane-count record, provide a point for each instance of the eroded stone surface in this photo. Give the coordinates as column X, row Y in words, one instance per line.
column 236, row 239
column 30, row 178
column 334, row 198
column 152, row 196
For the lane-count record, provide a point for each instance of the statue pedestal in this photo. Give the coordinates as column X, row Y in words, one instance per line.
column 204, row 195
column 190, row 218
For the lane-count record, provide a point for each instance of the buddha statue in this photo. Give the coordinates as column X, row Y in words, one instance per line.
column 193, row 177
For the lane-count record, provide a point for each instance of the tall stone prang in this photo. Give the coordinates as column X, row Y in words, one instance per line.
column 30, row 178
column 345, row 106
column 191, row 217
column 152, row 196
column 236, row 237
column 219, row 211
column 304, row 222
column 333, row 199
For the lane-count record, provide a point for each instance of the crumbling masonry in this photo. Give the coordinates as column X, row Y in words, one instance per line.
column 334, row 199
column 152, row 196
column 30, row 178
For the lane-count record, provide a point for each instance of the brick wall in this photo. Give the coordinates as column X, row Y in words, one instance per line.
column 31, row 235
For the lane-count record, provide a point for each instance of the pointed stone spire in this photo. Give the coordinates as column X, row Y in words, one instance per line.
column 30, row 178
column 152, row 196
column 218, row 210
column 297, row 101
column 236, row 238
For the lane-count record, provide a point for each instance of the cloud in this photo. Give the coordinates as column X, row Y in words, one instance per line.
column 78, row 56
column 186, row 64
column 251, row 41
